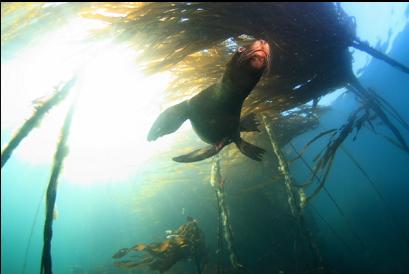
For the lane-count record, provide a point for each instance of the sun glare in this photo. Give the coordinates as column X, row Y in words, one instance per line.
column 116, row 107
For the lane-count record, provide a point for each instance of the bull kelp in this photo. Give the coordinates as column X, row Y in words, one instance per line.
column 310, row 57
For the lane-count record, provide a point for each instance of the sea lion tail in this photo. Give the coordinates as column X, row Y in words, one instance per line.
column 251, row 151
column 169, row 121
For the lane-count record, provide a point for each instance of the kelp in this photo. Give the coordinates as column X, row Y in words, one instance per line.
column 372, row 107
column 41, row 108
column 294, row 197
column 331, row 198
column 186, row 242
column 173, row 33
column 325, row 158
column 309, row 43
column 60, row 154
column 224, row 227
column 23, row 24
column 381, row 107
column 364, row 115
column 295, row 122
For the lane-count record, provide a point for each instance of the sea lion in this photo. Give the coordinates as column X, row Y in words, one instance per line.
column 215, row 112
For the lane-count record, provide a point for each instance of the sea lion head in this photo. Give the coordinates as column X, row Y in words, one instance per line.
column 248, row 64
column 255, row 56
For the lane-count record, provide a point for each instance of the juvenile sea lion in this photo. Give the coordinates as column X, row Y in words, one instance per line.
column 215, row 112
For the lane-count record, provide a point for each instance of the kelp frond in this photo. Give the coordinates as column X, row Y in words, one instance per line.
column 325, row 158
column 380, row 107
column 370, row 110
column 41, row 108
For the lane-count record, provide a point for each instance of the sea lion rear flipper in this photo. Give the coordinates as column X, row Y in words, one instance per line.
column 249, row 123
column 169, row 121
column 198, row 154
column 251, row 151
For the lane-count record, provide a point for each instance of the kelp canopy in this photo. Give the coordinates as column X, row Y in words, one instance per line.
column 309, row 42
column 309, row 45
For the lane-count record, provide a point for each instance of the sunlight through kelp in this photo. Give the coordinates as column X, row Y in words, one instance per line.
column 41, row 108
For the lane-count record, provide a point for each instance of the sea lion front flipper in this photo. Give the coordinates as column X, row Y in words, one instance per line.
column 169, row 121
column 251, row 151
column 249, row 123
column 198, row 154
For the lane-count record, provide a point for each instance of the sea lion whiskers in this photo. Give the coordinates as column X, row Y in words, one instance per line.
column 267, row 59
column 247, row 54
column 242, row 58
column 268, row 64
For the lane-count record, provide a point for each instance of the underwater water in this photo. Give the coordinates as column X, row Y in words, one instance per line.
column 116, row 189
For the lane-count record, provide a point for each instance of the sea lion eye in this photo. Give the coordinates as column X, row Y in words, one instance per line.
column 241, row 49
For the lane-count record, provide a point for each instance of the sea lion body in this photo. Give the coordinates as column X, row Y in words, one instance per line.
column 212, row 117
column 215, row 112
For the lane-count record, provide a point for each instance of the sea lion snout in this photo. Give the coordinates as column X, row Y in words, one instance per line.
column 256, row 54
column 259, row 54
